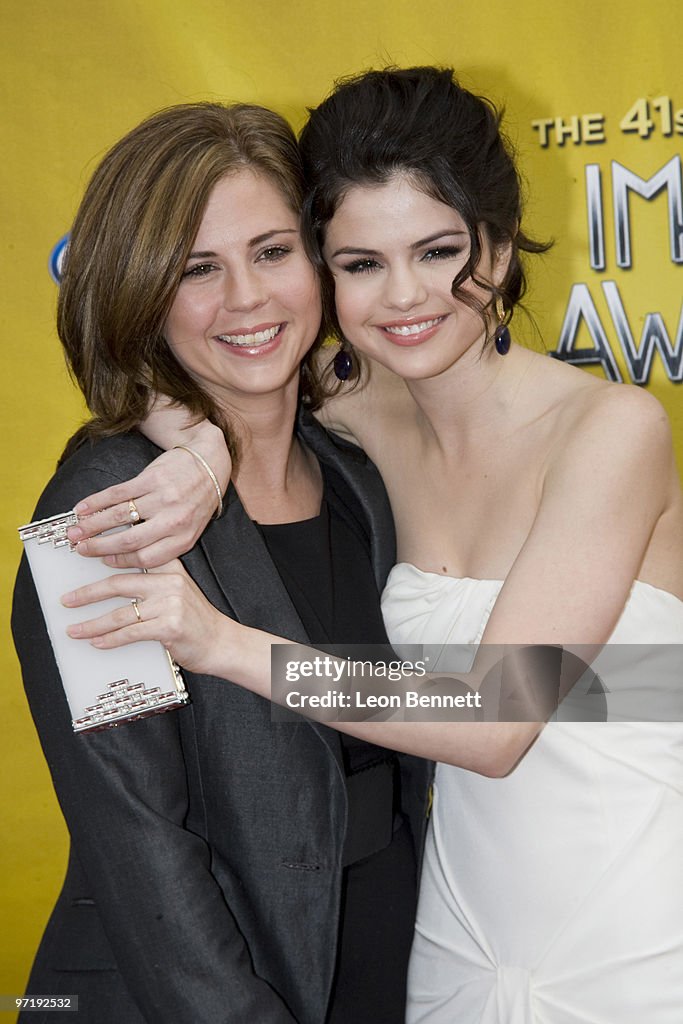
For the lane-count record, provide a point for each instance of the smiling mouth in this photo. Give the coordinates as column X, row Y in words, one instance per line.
column 408, row 330
column 253, row 340
column 414, row 332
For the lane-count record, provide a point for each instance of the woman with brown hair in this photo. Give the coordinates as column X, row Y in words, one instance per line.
column 219, row 870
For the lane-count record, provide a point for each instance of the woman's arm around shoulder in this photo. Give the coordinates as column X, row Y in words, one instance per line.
column 175, row 495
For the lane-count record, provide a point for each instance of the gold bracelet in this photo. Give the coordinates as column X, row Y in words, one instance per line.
column 202, row 461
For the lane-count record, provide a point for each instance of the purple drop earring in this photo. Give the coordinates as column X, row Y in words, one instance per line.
column 343, row 363
column 501, row 334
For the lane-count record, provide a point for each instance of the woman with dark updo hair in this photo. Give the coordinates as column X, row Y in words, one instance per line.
column 535, row 505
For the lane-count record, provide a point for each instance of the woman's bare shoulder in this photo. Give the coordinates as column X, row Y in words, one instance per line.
column 608, row 434
column 585, row 406
column 623, row 413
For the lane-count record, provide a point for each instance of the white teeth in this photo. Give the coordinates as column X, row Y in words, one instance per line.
column 408, row 329
column 259, row 338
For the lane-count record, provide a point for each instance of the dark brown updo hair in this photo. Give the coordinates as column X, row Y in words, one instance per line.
column 419, row 122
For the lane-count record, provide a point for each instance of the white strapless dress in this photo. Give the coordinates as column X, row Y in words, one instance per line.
column 554, row 895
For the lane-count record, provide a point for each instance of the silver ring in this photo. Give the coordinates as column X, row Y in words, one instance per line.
column 133, row 513
column 134, row 602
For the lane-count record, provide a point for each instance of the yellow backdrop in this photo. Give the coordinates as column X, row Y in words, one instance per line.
column 594, row 104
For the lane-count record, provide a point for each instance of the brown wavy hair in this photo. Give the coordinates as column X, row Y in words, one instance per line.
column 128, row 249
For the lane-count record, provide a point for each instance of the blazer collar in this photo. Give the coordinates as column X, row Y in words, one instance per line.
column 364, row 482
column 239, row 559
column 251, row 589
column 241, row 578
column 243, row 569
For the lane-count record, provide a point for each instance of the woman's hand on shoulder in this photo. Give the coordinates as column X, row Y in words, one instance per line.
column 173, row 499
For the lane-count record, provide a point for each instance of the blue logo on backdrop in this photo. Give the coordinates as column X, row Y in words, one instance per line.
column 56, row 262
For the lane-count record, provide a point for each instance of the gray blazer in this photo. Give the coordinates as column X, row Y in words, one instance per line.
column 205, row 868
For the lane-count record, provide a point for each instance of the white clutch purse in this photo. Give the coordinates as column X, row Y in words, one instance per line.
column 103, row 688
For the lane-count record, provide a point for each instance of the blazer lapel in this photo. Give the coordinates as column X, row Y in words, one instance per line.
column 245, row 574
column 365, row 483
column 237, row 555
column 241, row 575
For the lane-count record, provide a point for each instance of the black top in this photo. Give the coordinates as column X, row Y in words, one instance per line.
column 325, row 565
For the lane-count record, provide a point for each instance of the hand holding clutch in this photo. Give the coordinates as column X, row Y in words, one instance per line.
column 103, row 688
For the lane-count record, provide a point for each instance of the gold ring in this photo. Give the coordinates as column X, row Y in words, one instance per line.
column 133, row 513
column 134, row 602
